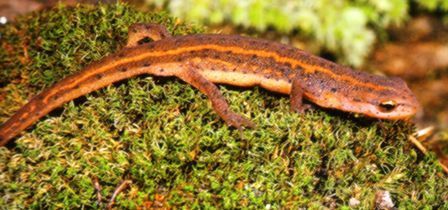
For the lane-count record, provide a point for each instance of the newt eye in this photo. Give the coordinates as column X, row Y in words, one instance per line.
column 388, row 106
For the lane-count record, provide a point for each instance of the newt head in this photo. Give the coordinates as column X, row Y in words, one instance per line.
column 390, row 99
column 395, row 101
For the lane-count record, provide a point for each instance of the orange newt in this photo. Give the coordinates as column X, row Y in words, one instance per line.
column 202, row 60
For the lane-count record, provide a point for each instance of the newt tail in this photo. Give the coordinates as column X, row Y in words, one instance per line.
column 203, row 60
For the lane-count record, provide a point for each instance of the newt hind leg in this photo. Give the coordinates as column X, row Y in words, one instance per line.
column 220, row 105
column 139, row 31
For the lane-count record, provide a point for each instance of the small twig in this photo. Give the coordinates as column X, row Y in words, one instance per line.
column 97, row 186
column 444, row 167
column 117, row 190
column 418, row 144
column 442, row 159
column 423, row 135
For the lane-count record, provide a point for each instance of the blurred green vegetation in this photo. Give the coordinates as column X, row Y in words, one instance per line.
column 432, row 5
column 347, row 28
column 163, row 135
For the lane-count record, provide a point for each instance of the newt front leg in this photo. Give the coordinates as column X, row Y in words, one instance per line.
column 296, row 96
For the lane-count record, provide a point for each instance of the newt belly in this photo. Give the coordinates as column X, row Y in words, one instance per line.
column 202, row 60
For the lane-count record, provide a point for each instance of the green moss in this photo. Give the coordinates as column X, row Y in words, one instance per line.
column 163, row 135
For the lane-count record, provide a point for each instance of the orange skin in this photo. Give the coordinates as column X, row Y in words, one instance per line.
column 202, row 60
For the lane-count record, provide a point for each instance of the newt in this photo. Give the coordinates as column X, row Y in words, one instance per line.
column 205, row 59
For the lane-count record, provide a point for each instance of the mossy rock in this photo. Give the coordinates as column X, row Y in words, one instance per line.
column 163, row 136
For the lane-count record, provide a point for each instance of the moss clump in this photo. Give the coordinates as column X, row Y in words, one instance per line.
column 162, row 135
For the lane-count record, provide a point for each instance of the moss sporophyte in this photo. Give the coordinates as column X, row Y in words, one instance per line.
column 161, row 141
